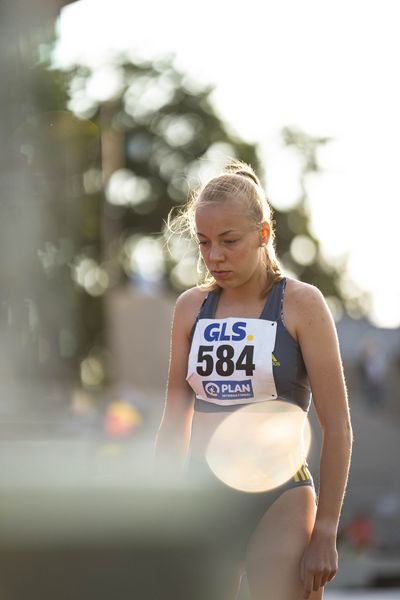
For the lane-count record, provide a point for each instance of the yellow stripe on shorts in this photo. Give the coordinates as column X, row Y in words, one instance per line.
column 303, row 474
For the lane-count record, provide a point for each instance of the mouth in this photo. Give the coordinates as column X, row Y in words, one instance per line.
column 220, row 274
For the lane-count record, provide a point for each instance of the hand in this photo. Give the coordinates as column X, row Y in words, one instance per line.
column 319, row 563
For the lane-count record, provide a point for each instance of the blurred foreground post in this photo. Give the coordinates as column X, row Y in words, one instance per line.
column 101, row 543
column 45, row 218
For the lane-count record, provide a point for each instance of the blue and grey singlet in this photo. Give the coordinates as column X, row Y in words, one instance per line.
column 238, row 361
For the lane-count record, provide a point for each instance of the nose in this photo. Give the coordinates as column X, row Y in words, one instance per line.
column 216, row 253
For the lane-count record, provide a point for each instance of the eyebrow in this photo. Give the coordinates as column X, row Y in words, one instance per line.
column 220, row 234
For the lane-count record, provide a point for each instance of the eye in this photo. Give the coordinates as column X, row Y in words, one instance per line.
column 231, row 241
column 202, row 242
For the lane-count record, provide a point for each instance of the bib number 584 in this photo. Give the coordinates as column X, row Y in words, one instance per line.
column 225, row 365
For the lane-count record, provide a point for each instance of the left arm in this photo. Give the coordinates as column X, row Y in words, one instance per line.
column 320, row 348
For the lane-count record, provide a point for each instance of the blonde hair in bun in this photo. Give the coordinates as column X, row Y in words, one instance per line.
column 238, row 180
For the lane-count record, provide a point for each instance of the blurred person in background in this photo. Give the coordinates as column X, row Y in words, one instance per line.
column 284, row 541
column 374, row 372
column 359, row 532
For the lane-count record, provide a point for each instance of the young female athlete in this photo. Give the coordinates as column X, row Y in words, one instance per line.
column 288, row 544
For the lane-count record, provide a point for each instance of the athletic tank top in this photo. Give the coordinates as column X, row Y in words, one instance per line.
column 237, row 361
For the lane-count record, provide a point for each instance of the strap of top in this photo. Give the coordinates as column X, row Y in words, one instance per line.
column 209, row 306
column 272, row 310
column 207, row 309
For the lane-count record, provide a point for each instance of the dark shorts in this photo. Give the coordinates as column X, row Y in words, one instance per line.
column 230, row 515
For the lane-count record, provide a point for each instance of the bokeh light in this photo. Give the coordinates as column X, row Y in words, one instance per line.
column 91, row 276
column 105, row 83
column 146, row 95
column 303, row 250
column 184, row 274
column 179, row 130
column 143, row 256
column 121, row 419
column 260, row 446
column 125, row 188
column 92, row 372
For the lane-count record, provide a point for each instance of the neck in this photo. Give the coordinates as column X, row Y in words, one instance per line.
column 253, row 289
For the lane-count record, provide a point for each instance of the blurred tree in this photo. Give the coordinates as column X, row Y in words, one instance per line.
column 300, row 249
column 106, row 203
column 160, row 134
column 161, row 137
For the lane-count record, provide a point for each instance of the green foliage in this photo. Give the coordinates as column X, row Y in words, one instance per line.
column 160, row 130
column 329, row 278
column 160, row 135
column 169, row 132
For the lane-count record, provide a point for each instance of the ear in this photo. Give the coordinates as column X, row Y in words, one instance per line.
column 265, row 233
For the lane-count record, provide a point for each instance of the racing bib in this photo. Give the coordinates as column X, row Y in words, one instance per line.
column 230, row 360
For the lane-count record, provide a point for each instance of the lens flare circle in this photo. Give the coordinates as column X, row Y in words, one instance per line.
column 260, row 446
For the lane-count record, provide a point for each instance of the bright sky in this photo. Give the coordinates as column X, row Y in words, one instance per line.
column 328, row 67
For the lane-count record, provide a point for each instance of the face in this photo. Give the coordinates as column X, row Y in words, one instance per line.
column 230, row 243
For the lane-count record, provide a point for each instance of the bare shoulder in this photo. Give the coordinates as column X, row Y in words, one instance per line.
column 303, row 297
column 191, row 299
column 304, row 307
column 188, row 305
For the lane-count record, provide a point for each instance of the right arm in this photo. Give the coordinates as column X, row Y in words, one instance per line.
column 173, row 436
